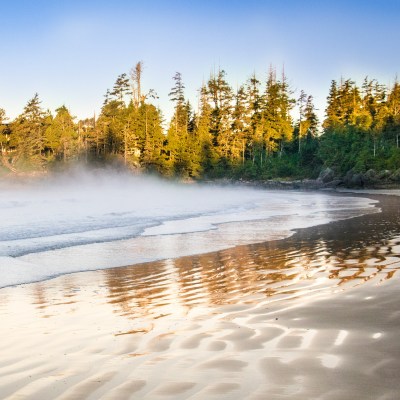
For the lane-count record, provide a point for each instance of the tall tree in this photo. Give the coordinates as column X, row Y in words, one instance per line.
column 4, row 131
column 221, row 96
column 277, row 120
column 208, row 157
column 180, row 143
column 240, row 126
column 62, row 136
column 301, row 103
column 121, row 88
column 136, row 83
column 393, row 119
column 29, row 129
column 332, row 117
column 311, row 119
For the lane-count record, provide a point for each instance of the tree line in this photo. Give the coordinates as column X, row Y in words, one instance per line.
column 258, row 131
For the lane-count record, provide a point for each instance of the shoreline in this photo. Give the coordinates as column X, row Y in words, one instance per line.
column 132, row 233
column 220, row 230
column 379, row 180
column 303, row 184
column 283, row 319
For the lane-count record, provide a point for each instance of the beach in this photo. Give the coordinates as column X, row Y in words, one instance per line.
column 311, row 316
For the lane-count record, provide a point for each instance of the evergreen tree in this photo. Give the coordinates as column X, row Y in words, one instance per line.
column 240, row 126
column 393, row 118
column 180, row 141
column 256, row 123
column 61, row 135
column 311, row 119
column 4, row 131
column 301, row 102
column 332, row 120
column 121, row 88
column 29, row 129
column 278, row 127
column 151, row 138
column 88, row 138
column 111, row 124
column 207, row 154
column 221, row 96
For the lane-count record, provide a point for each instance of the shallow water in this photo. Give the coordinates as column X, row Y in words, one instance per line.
column 312, row 316
column 58, row 227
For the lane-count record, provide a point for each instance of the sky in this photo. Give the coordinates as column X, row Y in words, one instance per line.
column 71, row 52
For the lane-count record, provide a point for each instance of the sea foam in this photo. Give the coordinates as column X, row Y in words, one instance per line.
column 86, row 222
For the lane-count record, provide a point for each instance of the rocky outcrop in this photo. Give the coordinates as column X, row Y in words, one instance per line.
column 353, row 179
column 326, row 175
column 395, row 177
column 372, row 179
column 327, row 179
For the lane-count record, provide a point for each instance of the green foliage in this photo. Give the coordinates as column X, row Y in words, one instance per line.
column 362, row 127
column 254, row 132
column 61, row 136
column 29, row 134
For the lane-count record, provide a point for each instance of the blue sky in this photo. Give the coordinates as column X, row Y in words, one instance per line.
column 71, row 52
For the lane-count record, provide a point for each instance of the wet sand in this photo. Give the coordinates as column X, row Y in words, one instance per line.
column 313, row 316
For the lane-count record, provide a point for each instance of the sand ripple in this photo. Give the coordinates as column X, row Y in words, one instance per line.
column 314, row 316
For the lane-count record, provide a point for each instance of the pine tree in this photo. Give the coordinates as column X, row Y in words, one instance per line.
column 29, row 129
column 207, row 156
column 240, row 126
column 151, row 138
column 221, row 96
column 180, row 141
column 278, row 127
column 121, row 88
column 350, row 103
column 332, row 111
column 301, row 102
column 88, row 138
column 4, row 131
column 393, row 118
column 311, row 119
column 62, row 136
column 110, row 124
column 256, row 123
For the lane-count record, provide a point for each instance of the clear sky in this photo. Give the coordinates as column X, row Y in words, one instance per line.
column 71, row 52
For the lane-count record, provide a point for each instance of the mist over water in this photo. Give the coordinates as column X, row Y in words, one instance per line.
column 92, row 220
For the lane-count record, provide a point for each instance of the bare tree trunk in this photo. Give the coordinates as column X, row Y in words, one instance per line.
column 136, row 77
column 125, row 146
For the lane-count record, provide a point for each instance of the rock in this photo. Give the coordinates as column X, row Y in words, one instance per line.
column 356, row 180
column 395, row 177
column 370, row 175
column 353, row 179
column 326, row 175
column 333, row 184
column 383, row 175
column 347, row 177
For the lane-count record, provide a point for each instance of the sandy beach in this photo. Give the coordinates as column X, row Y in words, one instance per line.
column 313, row 316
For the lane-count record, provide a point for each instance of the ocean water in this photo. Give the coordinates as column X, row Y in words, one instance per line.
column 86, row 222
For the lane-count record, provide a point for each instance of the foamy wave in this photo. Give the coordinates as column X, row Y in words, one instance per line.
column 53, row 229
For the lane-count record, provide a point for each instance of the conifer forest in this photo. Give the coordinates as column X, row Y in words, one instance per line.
column 260, row 130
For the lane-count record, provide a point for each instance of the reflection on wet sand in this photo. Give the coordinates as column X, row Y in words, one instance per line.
column 284, row 319
column 346, row 253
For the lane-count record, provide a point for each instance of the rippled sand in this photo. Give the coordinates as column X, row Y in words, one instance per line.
column 314, row 316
